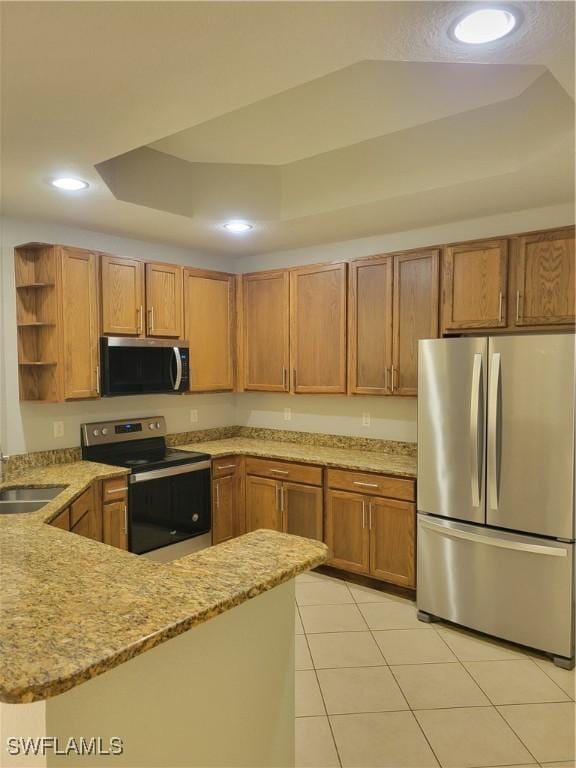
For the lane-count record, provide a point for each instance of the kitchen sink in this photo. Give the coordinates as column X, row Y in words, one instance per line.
column 17, row 500
column 31, row 494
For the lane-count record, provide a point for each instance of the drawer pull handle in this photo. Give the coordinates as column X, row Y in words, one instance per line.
column 117, row 490
column 366, row 485
column 280, row 471
column 227, row 466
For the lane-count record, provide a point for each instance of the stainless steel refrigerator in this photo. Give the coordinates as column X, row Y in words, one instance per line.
column 496, row 487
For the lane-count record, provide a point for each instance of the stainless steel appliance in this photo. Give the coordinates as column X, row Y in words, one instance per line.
column 496, row 487
column 168, row 490
column 143, row 366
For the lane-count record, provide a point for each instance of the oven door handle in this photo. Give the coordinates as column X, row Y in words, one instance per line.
column 181, row 469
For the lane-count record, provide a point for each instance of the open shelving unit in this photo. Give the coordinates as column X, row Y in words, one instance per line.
column 38, row 322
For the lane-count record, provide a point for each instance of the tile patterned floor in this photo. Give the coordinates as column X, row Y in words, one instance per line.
column 377, row 688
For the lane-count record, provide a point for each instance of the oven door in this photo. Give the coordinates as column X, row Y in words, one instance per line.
column 168, row 505
column 142, row 366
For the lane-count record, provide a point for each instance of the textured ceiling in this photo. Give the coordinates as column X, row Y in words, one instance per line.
column 319, row 121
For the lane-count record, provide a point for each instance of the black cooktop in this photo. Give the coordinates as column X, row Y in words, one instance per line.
column 141, row 455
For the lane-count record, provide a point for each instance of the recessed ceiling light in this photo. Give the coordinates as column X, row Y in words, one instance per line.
column 69, row 184
column 237, row 226
column 485, row 25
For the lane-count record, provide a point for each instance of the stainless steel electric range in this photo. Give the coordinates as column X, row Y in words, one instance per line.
column 168, row 490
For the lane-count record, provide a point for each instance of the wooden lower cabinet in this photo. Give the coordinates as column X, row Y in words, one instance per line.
column 347, row 535
column 263, row 503
column 302, row 510
column 228, row 518
column 115, row 524
column 85, row 518
column 393, row 541
column 371, row 536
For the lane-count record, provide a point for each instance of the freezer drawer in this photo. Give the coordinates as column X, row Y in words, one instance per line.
column 515, row 587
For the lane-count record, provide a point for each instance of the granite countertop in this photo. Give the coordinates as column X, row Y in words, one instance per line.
column 345, row 458
column 73, row 608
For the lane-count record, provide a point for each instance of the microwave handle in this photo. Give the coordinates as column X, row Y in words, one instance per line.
column 178, row 380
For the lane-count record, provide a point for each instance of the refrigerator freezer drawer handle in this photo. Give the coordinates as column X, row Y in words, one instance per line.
column 475, row 430
column 536, row 549
column 493, row 428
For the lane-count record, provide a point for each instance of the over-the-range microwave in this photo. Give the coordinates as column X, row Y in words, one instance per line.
column 143, row 366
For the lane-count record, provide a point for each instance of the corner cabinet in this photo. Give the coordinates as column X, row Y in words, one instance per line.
column 318, row 329
column 57, row 321
column 209, row 327
column 265, row 322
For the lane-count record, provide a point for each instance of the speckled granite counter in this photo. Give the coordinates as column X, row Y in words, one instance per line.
column 346, row 458
column 72, row 608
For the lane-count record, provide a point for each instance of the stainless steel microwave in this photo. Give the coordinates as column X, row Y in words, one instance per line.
column 143, row 366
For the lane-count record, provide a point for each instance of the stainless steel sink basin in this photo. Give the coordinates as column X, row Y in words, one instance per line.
column 17, row 500
column 17, row 507
column 31, row 494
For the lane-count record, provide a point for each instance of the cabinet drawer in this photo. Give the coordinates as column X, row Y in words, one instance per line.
column 114, row 489
column 225, row 466
column 284, row 470
column 372, row 485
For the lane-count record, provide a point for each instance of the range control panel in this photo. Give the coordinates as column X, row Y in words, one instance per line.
column 101, row 432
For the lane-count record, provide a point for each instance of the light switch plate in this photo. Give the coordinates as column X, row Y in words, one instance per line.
column 193, row 415
column 365, row 419
column 58, row 428
column 287, row 414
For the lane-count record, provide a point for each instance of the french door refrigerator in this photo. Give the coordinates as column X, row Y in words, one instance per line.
column 496, row 487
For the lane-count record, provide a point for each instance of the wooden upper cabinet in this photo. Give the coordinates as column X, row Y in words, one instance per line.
column 209, row 328
column 544, row 279
column 265, row 320
column 474, row 285
column 393, row 541
column 416, row 310
column 370, row 326
column 122, row 282
column 79, row 323
column 164, row 300
column 318, row 328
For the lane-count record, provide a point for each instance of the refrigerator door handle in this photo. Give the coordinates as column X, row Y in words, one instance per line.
column 494, row 407
column 475, row 429
column 491, row 541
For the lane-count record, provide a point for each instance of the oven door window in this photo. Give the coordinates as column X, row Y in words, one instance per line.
column 169, row 509
column 136, row 370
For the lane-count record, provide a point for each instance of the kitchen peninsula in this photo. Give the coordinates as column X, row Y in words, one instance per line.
column 84, row 634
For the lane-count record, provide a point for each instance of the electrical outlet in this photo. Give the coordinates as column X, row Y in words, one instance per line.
column 365, row 419
column 193, row 415
column 58, row 428
column 287, row 414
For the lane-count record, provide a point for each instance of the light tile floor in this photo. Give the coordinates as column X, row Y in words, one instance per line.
column 377, row 688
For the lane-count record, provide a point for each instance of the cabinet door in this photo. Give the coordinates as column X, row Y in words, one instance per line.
column 263, row 503
column 224, row 499
column 266, row 331
column 416, row 309
column 347, row 532
column 318, row 329
column 209, row 329
column 302, row 510
column 79, row 324
column 85, row 517
column 474, row 290
column 122, row 283
column 164, row 300
column 370, row 326
column 545, row 279
column 393, row 541
column 115, row 524
column 62, row 520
